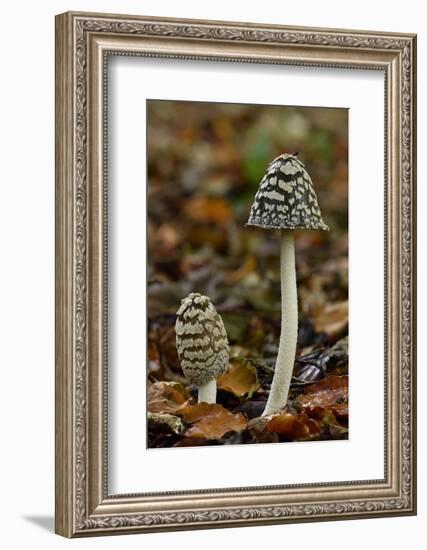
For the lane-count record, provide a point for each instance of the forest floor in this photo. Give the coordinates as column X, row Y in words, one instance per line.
column 205, row 162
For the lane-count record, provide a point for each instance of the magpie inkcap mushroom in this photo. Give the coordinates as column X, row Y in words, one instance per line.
column 286, row 200
column 202, row 344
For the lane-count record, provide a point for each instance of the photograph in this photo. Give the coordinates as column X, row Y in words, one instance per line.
column 247, row 274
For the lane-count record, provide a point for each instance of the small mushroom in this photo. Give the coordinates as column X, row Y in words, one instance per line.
column 286, row 200
column 202, row 344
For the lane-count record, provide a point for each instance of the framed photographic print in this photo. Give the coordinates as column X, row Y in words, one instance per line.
column 235, row 274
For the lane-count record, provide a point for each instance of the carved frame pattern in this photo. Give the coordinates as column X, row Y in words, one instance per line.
column 83, row 506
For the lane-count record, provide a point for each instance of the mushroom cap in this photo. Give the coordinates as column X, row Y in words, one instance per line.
column 201, row 339
column 286, row 198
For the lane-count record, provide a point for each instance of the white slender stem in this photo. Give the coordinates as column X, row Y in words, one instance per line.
column 289, row 326
column 207, row 392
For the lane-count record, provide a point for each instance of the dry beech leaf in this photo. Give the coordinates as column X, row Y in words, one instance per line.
column 332, row 319
column 166, row 397
column 211, row 420
column 331, row 393
column 296, row 426
column 256, row 427
column 165, row 423
column 240, row 379
column 209, row 210
column 212, row 235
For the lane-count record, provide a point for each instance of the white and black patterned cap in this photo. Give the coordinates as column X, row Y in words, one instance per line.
column 286, row 198
column 201, row 339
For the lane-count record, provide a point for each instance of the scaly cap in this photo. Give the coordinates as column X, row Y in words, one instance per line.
column 286, row 198
column 201, row 339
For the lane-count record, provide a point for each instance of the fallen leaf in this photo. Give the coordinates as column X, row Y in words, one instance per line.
column 331, row 393
column 296, row 426
column 166, row 397
column 154, row 365
column 165, row 423
column 256, row 427
column 166, row 240
column 335, row 359
column 209, row 210
column 332, row 319
column 166, row 344
column 308, row 373
column 193, row 262
column 337, row 431
column 205, row 235
column 251, row 408
column 245, row 269
column 311, row 295
column 211, row 420
column 330, row 423
column 240, row 378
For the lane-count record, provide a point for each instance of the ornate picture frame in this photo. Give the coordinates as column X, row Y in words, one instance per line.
column 84, row 42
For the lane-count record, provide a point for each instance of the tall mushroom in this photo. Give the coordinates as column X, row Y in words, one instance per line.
column 202, row 344
column 286, row 200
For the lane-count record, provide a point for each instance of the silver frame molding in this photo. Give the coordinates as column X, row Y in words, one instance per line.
column 83, row 43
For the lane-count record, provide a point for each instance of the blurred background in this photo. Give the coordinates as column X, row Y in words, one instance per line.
column 205, row 161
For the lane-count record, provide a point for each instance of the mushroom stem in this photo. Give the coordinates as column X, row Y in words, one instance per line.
column 289, row 326
column 207, row 392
